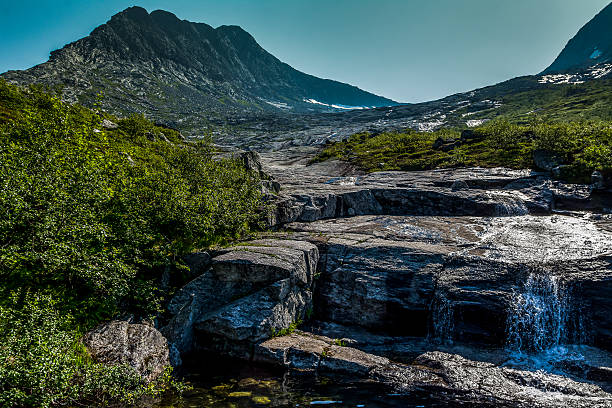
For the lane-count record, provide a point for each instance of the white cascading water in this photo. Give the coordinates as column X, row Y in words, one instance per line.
column 509, row 206
column 544, row 327
column 539, row 317
column 442, row 321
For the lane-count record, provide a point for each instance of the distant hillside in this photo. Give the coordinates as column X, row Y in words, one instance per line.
column 185, row 73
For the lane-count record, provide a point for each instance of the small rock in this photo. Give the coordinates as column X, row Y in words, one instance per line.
column 107, row 124
column 546, row 160
column 597, row 180
column 459, row 185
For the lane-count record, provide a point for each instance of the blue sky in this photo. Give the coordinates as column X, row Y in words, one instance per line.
column 408, row 50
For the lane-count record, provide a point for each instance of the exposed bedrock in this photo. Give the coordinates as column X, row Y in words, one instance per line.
column 249, row 292
column 308, row 195
column 456, row 277
column 450, row 378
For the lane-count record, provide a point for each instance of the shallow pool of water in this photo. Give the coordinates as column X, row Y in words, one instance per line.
column 232, row 384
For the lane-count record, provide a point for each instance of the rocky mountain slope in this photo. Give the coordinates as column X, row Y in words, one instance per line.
column 591, row 46
column 185, row 73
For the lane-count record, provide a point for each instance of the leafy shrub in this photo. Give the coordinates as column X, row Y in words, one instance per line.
column 90, row 220
column 43, row 364
column 96, row 217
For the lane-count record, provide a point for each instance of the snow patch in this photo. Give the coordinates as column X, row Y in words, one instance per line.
column 344, row 107
column 595, row 72
column 596, row 54
column 280, row 105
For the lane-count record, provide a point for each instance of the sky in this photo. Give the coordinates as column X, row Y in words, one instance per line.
column 406, row 50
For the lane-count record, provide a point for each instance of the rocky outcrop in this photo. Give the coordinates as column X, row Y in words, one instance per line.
column 450, row 378
column 140, row 346
column 477, row 192
column 250, row 292
column 453, row 276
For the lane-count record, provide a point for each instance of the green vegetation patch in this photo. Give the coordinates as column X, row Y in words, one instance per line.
column 90, row 219
column 582, row 146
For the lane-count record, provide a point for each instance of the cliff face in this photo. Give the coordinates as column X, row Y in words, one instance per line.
column 176, row 70
column 591, row 46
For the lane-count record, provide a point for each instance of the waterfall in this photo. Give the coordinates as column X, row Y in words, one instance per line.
column 442, row 321
column 542, row 317
column 509, row 206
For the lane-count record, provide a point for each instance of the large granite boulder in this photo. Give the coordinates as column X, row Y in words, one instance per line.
column 249, row 292
column 140, row 346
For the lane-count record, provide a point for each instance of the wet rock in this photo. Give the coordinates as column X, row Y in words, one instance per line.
column 311, row 197
column 140, row 346
column 448, row 377
column 305, row 351
column 522, row 388
column 380, row 272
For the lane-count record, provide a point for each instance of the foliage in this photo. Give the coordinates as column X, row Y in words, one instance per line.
column 42, row 362
column 284, row 332
column 584, row 146
column 95, row 217
column 92, row 218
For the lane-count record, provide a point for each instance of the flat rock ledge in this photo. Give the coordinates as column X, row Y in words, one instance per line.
column 447, row 377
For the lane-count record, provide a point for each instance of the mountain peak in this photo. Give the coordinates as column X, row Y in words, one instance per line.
column 134, row 13
column 183, row 72
column 592, row 45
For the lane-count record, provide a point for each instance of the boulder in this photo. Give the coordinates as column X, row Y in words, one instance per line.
column 250, row 291
column 305, row 351
column 140, row 346
column 197, row 262
column 546, row 160
column 107, row 124
column 252, row 162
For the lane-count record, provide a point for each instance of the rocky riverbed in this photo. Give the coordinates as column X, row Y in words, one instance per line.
column 484, row 287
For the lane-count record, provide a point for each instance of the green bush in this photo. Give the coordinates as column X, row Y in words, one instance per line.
column 43, row 364
column 95, row 217
column 90, row 221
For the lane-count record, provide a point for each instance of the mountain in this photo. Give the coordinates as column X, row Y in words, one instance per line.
column 185, row 73
column 591, row 46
